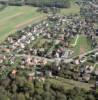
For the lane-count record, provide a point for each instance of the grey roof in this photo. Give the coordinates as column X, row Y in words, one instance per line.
column 93, row 4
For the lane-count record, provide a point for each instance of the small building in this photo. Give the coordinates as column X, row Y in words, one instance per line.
column 77, row 62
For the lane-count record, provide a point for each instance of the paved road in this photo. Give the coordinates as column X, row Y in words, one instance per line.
column 80, row 56
column 56, row 59
column 87, row 53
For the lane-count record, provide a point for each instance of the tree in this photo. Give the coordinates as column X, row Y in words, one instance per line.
column 29, row 87
column 3, row 94
column 46, row 95
column 47, row 86
column 61, row 96
column 20, row 81
column 90, row 97
column 20, row 96
column 37, row 97
column 38, row 87
column 14, row 88
column 4, row 97
column 78, row 98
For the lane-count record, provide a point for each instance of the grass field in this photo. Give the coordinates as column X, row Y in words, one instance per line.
column 74, row 9
column 13, row 18
column 83, row 45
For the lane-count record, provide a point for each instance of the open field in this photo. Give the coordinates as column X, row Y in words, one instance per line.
column 13, row 18
column 74, row 9
column 83, row 45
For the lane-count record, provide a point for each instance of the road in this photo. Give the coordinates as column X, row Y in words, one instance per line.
column 56, row 59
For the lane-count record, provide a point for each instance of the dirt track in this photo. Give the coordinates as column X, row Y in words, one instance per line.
column 19, row 26
column 12, row 17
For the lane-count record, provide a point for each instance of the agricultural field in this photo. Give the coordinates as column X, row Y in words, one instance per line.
column 13, row 18
column 80, row 44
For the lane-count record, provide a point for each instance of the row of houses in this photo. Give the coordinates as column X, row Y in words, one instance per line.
column 58, row 33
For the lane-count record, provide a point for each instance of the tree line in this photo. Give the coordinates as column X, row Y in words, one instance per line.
column 39, row 3
column 20, row 87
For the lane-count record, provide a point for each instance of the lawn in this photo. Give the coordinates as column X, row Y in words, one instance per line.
column 13, row 18
column 83, row 45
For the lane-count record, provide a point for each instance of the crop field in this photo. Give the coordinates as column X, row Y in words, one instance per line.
column 13, row 18
column 82, row 45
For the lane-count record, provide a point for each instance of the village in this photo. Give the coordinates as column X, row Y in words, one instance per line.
column 46, row 49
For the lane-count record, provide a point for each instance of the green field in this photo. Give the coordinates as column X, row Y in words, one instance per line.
column 83, row 45
column 13, row 18
column 74, row 9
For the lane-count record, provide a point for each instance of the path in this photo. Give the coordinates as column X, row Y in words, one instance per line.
column 75, row 41
column 56, row 59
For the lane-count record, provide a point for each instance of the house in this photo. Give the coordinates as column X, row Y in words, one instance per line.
column 89, row 69
column 83, row 59
column 86, row 77
column 77, row 62
column 14, row 71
